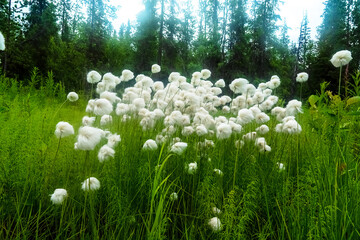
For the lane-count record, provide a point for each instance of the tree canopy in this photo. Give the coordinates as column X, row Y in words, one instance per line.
column 232, row 38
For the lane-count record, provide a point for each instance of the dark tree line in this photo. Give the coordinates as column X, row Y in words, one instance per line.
column 55, row 36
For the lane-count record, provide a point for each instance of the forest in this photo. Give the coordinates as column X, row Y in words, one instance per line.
column 232, row 38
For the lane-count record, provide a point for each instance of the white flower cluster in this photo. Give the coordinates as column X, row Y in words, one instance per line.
column 189, row 108
column 183, row 106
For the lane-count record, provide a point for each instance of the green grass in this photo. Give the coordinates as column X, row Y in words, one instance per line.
column 315, row 197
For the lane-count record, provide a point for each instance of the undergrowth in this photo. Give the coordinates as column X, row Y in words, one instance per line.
column 316, row 195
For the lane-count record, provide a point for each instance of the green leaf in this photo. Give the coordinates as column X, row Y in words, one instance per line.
column 353, row 100
column 313, row 99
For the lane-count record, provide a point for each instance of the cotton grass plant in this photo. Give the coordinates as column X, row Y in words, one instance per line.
column 340, row 59
column 265, row 173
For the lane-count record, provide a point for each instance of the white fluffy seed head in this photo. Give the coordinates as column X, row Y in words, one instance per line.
column 192, row 167
column 173, row 76
column 178, row 147
column 293, row 107
column 127, row 75
column 158, row 113
column 261, row 118
column 302, row 77
column 121, row 109
column 90, row 184
column 58, row 196
column 105, row 153
column 139, row 77
column 226, row 109
column 258, row 97
column 90, row 106
column 275, row 80
column 244, row 116
column 88, row 121
column 110, row 96
column 205, row 73
column 267, row 92
column 251, row 136
column 105, row 120
column 236, row 128
column 102, row 107
column 109, row 79
column 63, row 129
column 215, row 224
column 278, row 127
column 201, row 130
column 265, row 149
column 187, row 131
column 139, row 103
column 220, row 83
column 196, row 75
column 147, row 82
column 113, row 140
column 280, row 166
column 72, row 96
column 93, row 77
column 155, row 68
column 238, row 85
column 341, row 58
column 173, row 196
column 89, row 137
column 158, row 86
column 150, row 145
column 291, row 127
column 263, row 129
column 266, row 105
column 223, row 131
column 260, row 142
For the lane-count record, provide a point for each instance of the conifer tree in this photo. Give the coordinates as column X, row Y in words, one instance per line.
column 238, row 39
column 263, row 27
column 146, row 41
column 41, row 27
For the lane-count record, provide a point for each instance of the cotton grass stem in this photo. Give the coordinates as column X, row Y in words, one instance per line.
column 63, row 210
column 92, row 216
column 87, row 165
column 235, row 167
column 91, row 91
column 340, row 80
column 57, row 150
column 59, row 109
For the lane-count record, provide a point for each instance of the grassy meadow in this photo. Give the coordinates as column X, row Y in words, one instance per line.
column 306, row 187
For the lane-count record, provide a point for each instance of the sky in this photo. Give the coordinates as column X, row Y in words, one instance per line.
column 291, row 11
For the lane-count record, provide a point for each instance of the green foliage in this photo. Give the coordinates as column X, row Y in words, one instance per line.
column 314, row 197
column 354, row 89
